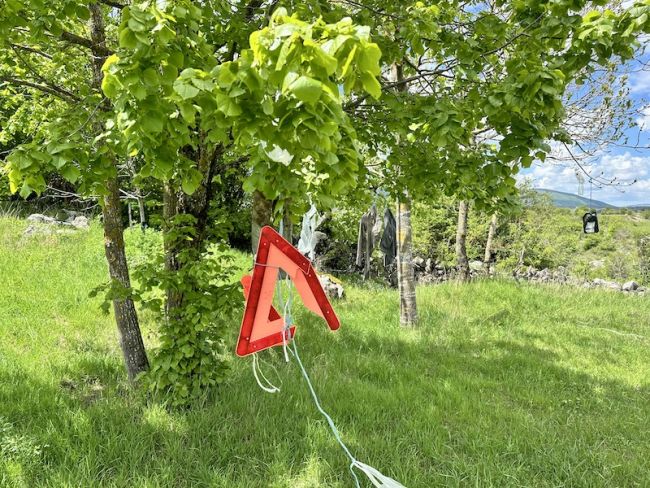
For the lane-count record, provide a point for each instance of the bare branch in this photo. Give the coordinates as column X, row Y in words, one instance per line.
column 113, row 4
column 82, row 41
column 52, row 90
column 31, row 50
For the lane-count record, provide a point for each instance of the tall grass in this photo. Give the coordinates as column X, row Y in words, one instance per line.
column 502, row 385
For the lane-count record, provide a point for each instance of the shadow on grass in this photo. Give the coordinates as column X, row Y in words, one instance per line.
column 484, row 412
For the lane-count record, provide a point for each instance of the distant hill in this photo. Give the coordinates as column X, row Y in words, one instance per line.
column 569, row 200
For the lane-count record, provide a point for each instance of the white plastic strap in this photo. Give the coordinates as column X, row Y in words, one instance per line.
column 268, row 387
column 376, row 478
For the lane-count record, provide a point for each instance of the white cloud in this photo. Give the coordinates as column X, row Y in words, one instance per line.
column 625, row 167
column 640, row 83
column 644, row 120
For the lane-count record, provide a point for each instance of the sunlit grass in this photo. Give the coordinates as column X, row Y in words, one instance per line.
column 502, row 385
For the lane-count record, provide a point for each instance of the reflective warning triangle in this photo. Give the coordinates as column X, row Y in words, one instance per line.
column 262, row 326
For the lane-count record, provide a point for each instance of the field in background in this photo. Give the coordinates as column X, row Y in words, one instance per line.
column 502, row 385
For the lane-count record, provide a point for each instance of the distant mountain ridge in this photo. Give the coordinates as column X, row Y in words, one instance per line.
column 569, row 200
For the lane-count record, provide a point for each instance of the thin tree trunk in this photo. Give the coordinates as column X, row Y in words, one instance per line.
column 287, row 226
column 173, row 298
column 141, row 209
column 461, row 242
column 405, row 271
column 135, row 356
column 130, row 213
column 368, row 252
column 262, row 213
column 130, row 337
column 490, row 239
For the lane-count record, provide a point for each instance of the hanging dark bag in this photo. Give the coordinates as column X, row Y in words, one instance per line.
column 590, row 223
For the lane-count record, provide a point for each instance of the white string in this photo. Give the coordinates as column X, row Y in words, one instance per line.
column 376, row 478
column 269, row 387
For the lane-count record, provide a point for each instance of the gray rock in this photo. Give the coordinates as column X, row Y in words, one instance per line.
column 418, row 262
column 476, row 265
column 606, row 284
column 43, row 225
column 332, row 288
column 80, row 222
column 42, row 219
column 630, row 286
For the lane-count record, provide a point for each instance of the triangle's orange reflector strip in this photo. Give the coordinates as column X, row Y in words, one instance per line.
column 262, row 325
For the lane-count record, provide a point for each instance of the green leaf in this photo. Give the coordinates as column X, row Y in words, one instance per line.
column 176, row 59
column 152, row 124
column 169, row 73
column 228, row 106
column 191, row 181
column 71, row 173
column 128, row 39
column 307, row 89
column 369, row 59
column 185, row 90
column 82, row 12
column 371, row 85
column 150, row 77
column 348, row 62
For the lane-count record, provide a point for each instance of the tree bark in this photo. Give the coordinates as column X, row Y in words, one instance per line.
column 141, row 209
column 262, row 214
column 130, row 337
column 461, row 242
column 490, row 239
column 405, row 271
column 197, row 205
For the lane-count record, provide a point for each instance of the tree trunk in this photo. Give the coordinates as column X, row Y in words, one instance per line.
column 196, row 205
column 130, row 337
column 262, row 214
column 368, row 252
column 405, row 271
column 141, row 209
column 490, row 238
column 173, row 298
column 135, row 356
column 461, row 242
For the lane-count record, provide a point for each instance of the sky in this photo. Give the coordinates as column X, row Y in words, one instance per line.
column 626, row 164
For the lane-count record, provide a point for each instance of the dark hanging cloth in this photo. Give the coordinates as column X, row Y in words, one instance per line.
column 388, row 243
column 590, row 223
column 364, row 241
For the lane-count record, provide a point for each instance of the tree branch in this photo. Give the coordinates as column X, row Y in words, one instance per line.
column 52, row 90
column 31, row 50
column 41, row 78
column 82, row 41
column 113, row 4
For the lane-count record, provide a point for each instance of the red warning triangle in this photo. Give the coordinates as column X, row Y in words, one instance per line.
column 262, row 326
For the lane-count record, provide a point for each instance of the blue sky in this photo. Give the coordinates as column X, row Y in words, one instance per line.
column 626, row 164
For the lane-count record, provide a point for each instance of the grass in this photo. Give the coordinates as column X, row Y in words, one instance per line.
column 502, row 385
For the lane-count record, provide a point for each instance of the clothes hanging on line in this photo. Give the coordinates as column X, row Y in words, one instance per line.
column 365, row 243
column 388, row 243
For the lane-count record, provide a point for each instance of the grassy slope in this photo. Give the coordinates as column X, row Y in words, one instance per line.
column 503, row 385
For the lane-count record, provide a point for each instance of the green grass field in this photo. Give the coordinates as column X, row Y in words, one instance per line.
column 502, row 385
